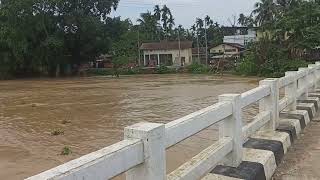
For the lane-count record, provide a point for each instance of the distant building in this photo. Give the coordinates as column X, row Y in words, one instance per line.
column 103, row 61
column 231, row 51
column 199, row 55
column 166, row 53
column 241, row 35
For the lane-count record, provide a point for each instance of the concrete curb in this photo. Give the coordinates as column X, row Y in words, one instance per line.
column 310, row 107
column 292, row 122
column 265, row 149
column 314, row 100
column 301, row 115
column 282, row 137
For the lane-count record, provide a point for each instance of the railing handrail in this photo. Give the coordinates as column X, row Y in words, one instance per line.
column 145, row 144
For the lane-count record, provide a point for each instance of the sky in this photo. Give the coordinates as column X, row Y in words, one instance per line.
column 186, row 11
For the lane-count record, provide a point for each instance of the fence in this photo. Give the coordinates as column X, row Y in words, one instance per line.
column 142, row 155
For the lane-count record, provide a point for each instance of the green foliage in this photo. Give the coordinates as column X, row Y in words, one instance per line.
column 163, row 70
column 100, row 72
column 197, row 68
column 267, row 58
column 248, row 66
column 66, row 151
column 44, row 36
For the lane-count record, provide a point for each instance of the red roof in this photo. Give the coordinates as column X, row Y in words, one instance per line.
column 166, row 45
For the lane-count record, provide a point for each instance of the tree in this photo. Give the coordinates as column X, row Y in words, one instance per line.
column 265, row 12
column 167, row 21
column 149, row 25
column 49, row 36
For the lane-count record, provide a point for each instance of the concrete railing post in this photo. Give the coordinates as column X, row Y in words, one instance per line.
column 271, row 102
column 313, row 77
column 317, row 83
column 303, row 84
column 153, row 138
column 291, row 90
column 232, row 127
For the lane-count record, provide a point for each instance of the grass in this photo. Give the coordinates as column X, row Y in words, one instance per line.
column 66, row 151
column 57, row 132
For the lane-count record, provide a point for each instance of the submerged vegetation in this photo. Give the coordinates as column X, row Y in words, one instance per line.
column 66, row 151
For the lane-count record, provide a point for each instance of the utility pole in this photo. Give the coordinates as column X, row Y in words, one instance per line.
column 198, row 48
column 179, row 45
column 206, row 38
column 139, row 58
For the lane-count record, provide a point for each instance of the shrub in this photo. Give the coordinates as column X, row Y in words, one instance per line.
column 66, row 151
column 163, row 70
column 196, row 68
column 247, row 67
column 100, row 72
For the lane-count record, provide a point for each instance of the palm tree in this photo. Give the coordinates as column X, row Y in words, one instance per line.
column 199, row 23
column 265, row 12
column 157, row 12
column 167, row 20
column 149, row 24
column 208, row 21
column 242, row 19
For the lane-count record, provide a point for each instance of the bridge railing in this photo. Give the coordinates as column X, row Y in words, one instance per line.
column 142, row 155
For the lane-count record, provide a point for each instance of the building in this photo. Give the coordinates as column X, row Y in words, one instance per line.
column 227, row 51
column 199, row 55
column 241, row 35
column 103, row 61
column 167, row 53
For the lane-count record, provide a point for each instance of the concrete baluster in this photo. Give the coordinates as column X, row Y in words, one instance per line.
column 303, row 83
column 232, row 127
column 317, row 75
column 153, row 138
column 312, row 68
column 271, row 102
column 291, row 90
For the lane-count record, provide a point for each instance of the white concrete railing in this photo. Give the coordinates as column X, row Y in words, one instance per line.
column 142, row 155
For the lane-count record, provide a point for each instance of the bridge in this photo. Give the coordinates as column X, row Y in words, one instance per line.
column 251, row 151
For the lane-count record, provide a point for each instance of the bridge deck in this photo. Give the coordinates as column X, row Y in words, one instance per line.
column 303, row 159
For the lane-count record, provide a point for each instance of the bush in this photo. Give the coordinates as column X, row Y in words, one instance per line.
column 196, row 68
column 269, row 59
column 100, row 72
column 66, row 151
column 163, row 70
column 247, row 67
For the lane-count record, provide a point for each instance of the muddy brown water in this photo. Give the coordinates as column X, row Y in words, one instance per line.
column 92, row 112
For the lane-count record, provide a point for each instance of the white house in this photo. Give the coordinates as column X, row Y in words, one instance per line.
column 226, row 51
column 167, row 53
column 242, row 39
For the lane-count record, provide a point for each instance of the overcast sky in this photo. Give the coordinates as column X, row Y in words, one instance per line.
column 185, row 11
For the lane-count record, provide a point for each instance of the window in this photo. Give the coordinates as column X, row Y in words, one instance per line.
column 166, row 59
column 231, row 50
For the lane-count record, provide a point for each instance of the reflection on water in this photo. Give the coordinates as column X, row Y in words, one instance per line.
column 93, row 112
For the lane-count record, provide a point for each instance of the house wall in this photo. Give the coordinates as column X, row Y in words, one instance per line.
column 224, row 48
column 187, row 53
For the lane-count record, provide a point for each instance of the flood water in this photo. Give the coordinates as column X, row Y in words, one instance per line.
column 93, row 111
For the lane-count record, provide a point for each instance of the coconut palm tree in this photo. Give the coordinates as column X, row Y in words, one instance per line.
column 265, row 12
column 208, row 21
column 157, row 12
column 149, row 24
column 242, row 19
column 167, row 20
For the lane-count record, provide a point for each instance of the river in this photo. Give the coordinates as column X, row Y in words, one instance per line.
column 93, row 111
